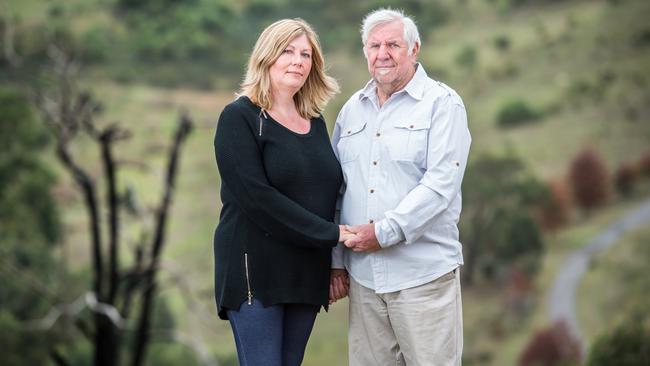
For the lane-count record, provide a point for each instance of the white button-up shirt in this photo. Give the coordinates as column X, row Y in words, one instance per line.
column 403, row 165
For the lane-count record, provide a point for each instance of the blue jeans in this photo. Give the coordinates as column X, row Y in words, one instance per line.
column 273, row 336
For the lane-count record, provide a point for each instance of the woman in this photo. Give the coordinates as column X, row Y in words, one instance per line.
column 280, row 180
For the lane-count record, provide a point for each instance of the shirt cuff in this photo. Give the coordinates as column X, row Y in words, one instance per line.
column 386, row 234
column 337, row 257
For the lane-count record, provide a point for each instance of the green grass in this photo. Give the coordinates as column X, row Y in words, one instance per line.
column 602, row 301
column 582, row 39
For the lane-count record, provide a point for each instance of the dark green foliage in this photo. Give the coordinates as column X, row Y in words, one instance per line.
column 26, row 206
column 516, row 112
column 29, row 224
column 502, row 43
column 497, row 228
column 194, row 42
column 625, row 178
column 626, row 345
column 150, row 6
column 467, row 57
column 97, row 45
column 642, row 38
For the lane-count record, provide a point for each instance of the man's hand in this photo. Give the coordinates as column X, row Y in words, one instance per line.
column 339, row 284
column 364, row 239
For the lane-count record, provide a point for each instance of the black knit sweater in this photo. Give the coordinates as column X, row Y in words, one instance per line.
column 279, row 191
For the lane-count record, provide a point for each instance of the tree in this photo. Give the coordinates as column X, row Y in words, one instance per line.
column 116, row 289
column 589, row 179
column 556, row 212
column 552, row 346
column 497, row 228
column 30, row 227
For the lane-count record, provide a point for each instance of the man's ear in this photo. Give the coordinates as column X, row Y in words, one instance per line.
column 416, row 49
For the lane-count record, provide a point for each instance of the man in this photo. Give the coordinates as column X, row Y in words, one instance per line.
column 402, row 142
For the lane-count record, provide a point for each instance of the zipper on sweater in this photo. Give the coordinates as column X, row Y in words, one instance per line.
column 248, row 281
column 262, row 113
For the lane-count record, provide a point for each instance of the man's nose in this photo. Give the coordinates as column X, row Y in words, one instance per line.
column 382, row 53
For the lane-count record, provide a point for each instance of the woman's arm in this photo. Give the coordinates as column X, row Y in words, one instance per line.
column 240, row 164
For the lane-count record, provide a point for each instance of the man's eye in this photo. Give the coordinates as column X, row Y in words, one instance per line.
column 374, row 45
column 393, row 45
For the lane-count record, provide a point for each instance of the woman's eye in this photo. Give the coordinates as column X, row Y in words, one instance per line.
column 306, row 55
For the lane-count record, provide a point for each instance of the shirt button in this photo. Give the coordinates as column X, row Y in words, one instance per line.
column 374, row 162
column 371, row 221
column 411, row 126
column 372, row 191
column 378, row 134
column 349, row 132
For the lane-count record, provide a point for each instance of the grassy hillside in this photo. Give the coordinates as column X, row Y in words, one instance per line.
column 582, row 64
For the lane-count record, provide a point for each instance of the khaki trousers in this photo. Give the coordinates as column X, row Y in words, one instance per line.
column 418, row 326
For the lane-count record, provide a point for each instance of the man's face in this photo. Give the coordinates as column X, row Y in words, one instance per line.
column 389, row 62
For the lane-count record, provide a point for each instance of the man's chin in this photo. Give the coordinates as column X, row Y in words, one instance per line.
column 384, row 79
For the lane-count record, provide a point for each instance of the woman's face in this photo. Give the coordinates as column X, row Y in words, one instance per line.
column 291, row 69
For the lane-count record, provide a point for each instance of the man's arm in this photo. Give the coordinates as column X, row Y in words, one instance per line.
column 449, row 142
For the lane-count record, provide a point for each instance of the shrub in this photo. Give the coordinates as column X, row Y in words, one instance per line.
column 552, row 346
column 626, row 345
column 497, row 224
column 467, row 57
column 502, row 43
column 644, row 164
column 625, row 178
column 556, row 212
column 516, row 112
column 589, row 179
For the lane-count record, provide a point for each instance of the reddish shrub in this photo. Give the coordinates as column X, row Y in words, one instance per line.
column 644, row 164
column 552, row 346
column 589, row 179
column 556, row 211
column 625, row 178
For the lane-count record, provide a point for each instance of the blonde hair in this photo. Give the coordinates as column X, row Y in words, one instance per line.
column 318, row 89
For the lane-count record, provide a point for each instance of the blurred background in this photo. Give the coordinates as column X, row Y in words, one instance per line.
column 109, row 193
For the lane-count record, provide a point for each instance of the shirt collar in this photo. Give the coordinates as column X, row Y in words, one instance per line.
column 415, row 87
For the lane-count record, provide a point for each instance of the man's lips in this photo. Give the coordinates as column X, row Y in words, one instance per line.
column 383, row 70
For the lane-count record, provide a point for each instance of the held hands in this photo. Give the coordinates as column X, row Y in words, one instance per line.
column 361, row 238
column 344, row 233
column 339, row 284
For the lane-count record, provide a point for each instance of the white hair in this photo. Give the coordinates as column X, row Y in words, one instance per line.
column 388, row 15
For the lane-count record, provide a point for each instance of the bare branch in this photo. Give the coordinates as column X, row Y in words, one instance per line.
column 72, row 310
column 182, row 131
column 106, row 140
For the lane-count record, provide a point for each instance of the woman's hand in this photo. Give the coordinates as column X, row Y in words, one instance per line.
column 345, row 234
column 339, row 284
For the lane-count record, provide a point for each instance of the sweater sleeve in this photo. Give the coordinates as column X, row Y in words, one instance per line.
column 240, row 165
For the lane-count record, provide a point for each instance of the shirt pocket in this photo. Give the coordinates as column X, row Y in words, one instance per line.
column 350, row 143
column 408, row 140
